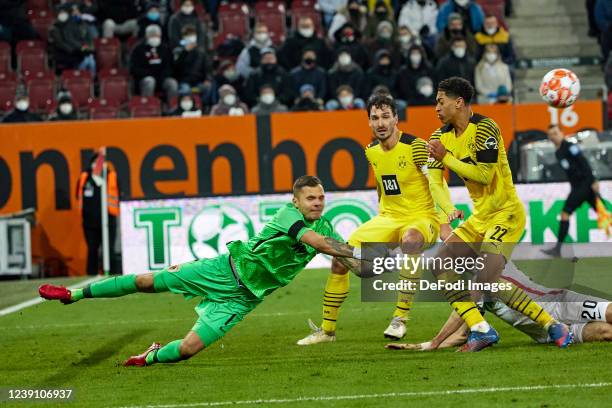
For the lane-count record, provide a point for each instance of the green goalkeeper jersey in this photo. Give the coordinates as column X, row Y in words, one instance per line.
column 272, row 258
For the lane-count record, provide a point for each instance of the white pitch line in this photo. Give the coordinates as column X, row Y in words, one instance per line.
column 35, row 301
column 369, row 396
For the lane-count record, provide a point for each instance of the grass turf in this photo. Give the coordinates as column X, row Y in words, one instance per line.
column 82, row 346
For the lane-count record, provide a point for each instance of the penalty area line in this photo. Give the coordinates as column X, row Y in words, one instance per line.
column 37, row 300
column 384, row 395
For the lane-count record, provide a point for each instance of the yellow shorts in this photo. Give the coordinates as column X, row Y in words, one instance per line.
column 497, row 234
column 385, row 228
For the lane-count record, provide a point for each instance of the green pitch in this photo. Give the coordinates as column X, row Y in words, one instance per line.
column 82, row 346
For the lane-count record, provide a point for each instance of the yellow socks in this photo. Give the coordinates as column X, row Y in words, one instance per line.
column 517, row 299
column 406, row 297
column 336, row 291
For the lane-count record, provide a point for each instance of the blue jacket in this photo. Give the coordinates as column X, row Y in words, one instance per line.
column 603, row 14
column 476, row 16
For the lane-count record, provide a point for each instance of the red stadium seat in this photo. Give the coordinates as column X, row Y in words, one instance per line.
column 108, row 52
column 37, row 5
column 143, row 107
column 31, row 56
column 41, row 89
column 114, row 85
column 272, row 14
column 7, row 94
column 80, row 85
column 103, row 109
column 42, row 21
column 5, row 57
column 234, row 19
column 306, row 8
column 496, row 8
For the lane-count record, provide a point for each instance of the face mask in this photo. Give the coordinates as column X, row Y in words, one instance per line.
column 154, row 41
column 187, row 9
column 65, row 108
column 426, row 90
column 385, row 68
column 421, row 2
column 306, row 32
column 229, row 99
column 191, row 39
column 22, row 105
column 491, row 30
column 354, row 12
column 186, row 104
column 415, row 59
column 462, row 3
column 385, row 35
column 310, row 61
column 153, row 15
column 344, row 60
column 404, row 39
column 268, row 98
column 62, row 17
column 345, row 100
column 491, row 57
column 347, row 38
column 261, row 37
column 381, row 14
column 235, row 112
column 459, row 52
column 230, row 74
column 455, row 31
column 268, row 67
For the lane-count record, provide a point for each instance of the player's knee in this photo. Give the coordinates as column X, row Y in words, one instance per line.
column 412, row 242
column 144, row 283
column 337, row 268
column 605, row 332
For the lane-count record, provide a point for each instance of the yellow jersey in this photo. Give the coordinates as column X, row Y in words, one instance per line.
column 401, row 177
column 478, row 156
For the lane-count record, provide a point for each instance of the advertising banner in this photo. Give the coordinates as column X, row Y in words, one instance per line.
column 160, row 233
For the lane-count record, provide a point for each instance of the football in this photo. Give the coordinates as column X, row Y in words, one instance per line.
column 560, row 88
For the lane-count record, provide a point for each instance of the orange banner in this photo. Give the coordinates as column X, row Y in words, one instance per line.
column 154, row 158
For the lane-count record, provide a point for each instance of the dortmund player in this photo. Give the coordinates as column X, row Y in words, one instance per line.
column 471, row 145
column 231, row 285
column 407, row 215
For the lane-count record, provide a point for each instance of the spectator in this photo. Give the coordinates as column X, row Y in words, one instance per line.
column 603, row 17
column 191, row 65
column 229, row 103
column 230, row 47
column 119, row 17
column 21, row 113
column 186, row 15
column 226, row 74
column 65, row 108
column 493, row 33
column 14, row 23
column 290, row 53
column 89, row 11
column 309, row 73
column 345, row 72
column 404, row 43
column 267, row 102
column 382, row 73
column 420, row 18
column 187, row 107
column 380, row 13
column 307, row 100
column 416, row 68
column 355, row 13
column 71, row 41
column 471, row 14
column 151, row 65
column 383, row 41
column 88, row 193
column 250, row 56
column 424, row 95
column 345, row 100
column 490, row 75
column 455, row 29
column 456, row 63
column 272, row 74
column 350, row 39
column 329, row 8
column 151, row 15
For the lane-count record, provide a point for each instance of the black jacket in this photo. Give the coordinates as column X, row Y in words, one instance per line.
column 315, row 77
column 277, row 77
column 190, row 66
column 17, row 116
column 290, row 54
column 354, row 78
column 66, row 40
column 148, row 61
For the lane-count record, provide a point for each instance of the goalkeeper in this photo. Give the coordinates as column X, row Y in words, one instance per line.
column 232, row 285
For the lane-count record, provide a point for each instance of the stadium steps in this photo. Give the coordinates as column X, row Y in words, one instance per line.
column 552, row 29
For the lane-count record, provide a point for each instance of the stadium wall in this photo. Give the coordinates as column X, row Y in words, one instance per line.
column 170, row 157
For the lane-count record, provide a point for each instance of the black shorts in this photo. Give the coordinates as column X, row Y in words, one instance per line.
column 577, row 196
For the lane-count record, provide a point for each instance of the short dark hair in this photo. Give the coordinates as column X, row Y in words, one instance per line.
column 457, row 87
column 380, row 99
column 305, row 181
column 189, row 29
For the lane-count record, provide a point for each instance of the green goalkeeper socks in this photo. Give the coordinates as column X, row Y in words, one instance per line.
column 170, row 353
column 112, row 287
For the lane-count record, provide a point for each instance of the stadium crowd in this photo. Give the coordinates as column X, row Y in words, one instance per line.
column 67, row 60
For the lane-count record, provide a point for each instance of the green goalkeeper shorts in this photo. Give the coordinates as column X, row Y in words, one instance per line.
column 224, row 303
